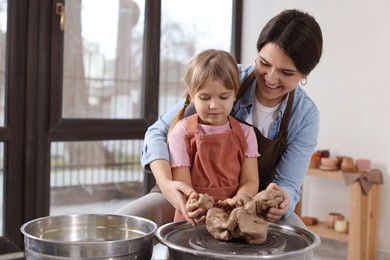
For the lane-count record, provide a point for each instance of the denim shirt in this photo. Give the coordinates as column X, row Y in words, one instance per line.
column 303, row 131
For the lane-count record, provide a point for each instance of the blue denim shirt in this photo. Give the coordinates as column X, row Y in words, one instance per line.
column 302, row 136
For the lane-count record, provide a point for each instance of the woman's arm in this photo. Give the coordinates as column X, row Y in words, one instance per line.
column 176, row 192
column 302, row 140
column 155, row 159
column 183, row 175
column 155, row 140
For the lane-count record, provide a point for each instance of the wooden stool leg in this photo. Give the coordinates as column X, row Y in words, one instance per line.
column 363, row 226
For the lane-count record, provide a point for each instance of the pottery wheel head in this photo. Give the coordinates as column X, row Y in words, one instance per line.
column 202, row 240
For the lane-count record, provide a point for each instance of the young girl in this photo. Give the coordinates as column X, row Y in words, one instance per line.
column 210, row 150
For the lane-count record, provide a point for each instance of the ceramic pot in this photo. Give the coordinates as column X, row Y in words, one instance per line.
column 348, row 165
column 332, row 218
column 341, row 226
column 363, row 165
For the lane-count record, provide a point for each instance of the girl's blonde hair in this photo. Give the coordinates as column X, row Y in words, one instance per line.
column 207, row 65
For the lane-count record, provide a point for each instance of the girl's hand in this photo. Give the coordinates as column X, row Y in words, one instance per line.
column 193, row 210
column 276, row 213
column 227, row 204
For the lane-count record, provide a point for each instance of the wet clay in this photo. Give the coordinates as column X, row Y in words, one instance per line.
column 245, row 220
column 204, row 201
column 267, row 199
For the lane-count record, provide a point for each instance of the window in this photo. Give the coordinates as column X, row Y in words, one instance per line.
column 102, row 79
column 188, row 27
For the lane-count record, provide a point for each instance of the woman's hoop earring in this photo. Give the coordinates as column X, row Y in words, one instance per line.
column 304, row 81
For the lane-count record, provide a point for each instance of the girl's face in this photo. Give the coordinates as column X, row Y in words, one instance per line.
column 213, row 102
column 276, row 75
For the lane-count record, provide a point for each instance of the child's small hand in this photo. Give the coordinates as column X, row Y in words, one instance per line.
column 227, row 204
column 194, row 211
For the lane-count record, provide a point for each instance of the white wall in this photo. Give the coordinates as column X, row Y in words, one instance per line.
column 351, row 87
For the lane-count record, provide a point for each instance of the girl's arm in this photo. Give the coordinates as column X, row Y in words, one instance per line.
column 249, row 178
column 248, row 182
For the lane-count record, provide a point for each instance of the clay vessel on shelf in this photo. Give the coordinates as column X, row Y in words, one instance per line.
column 363, row 165
column 341, row 226
column 348, row 165
column 332, row 218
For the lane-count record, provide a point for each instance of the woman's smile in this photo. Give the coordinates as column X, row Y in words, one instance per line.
column 276, row 75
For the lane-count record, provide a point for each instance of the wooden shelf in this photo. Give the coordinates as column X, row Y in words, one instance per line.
column 364, row 219
column 325, row 174
column 323, row 231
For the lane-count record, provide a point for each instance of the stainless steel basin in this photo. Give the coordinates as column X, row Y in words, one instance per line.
column 89, row 236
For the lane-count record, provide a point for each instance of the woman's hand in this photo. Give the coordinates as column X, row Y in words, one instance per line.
column 176, row 192
column 275, row 214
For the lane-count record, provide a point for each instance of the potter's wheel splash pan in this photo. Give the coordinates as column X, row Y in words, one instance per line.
column 283, row 242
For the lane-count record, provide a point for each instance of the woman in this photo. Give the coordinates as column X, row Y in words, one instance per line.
column 271, row 98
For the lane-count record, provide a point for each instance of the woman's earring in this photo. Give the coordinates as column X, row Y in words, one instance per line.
column 304, row 81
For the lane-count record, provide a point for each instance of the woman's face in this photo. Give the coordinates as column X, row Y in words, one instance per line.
column 276, row 75
column 213, row 102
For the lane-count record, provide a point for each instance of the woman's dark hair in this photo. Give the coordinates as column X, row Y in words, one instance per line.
column 298, row 34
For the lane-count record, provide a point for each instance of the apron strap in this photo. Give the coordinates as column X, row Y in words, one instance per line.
column 287, row 112
column 191, row 124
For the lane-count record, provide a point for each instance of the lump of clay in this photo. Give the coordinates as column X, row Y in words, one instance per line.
column 242, row 222
column 245, row 224
column 267, row 199
column 205, row 202
column 216, row 224
column 253, row 229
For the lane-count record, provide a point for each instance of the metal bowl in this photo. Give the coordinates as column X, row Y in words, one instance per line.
column 89, row 236
column 283, row 242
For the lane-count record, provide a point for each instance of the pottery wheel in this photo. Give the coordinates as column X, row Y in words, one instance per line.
column 282, row 241
column 203, row 240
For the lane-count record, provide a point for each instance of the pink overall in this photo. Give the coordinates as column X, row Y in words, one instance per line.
column 215, row 160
